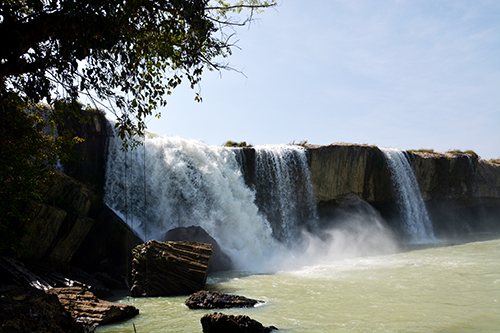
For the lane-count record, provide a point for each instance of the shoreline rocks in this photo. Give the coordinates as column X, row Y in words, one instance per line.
column 31, row 310
column 221, row 323
column 216, row 300
column 84, row 306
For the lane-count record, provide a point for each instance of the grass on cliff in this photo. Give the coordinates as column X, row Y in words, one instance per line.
column 422, row 150
column 234, row 144
column 463, row 152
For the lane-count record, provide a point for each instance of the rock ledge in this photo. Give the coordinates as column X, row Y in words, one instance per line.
column 222, row 323
column 216, row 300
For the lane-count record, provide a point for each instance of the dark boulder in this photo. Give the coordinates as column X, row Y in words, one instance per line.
column 169, row 268
column 85, row 306
column 219, row 260
column 32, row 310
column 216, row 300
column 221, row 323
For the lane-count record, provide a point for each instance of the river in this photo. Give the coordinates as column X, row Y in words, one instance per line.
column 442, row 289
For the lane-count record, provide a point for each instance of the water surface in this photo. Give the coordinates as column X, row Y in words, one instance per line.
column 441, row 289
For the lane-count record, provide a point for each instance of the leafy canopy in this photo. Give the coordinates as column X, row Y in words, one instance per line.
column 126, row 55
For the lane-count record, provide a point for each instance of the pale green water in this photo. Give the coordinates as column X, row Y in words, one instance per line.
column 444, row 289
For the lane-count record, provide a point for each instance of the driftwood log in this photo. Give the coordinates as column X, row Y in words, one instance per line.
column 169, row 268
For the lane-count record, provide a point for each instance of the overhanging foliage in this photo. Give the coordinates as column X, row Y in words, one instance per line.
column 127, row 55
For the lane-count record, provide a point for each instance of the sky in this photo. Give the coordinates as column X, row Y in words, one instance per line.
column 409, row 74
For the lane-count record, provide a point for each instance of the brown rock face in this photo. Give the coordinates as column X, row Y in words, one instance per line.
column 219, row 260
column 339, row 170
column 221, row 323
column 487, row 180
column 215, row 300
column 169, row 268
column 461, row 191
column 85, row 306
column 445, row 176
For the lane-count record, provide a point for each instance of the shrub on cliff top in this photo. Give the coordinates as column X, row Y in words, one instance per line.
column 234, row 144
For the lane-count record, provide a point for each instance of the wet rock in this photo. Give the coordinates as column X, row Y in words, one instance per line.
column 85, row 306
column 221, row 323
column 219, row 261
column 169, row 268
column 216, row 300
column 32, row 310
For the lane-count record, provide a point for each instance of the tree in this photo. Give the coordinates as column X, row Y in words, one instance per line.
column 125, row 54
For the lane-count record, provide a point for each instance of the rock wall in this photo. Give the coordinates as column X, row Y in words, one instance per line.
column 461, row 191
column 59, row 223
column 344, row 169
column 86, row 161
column 70, row 225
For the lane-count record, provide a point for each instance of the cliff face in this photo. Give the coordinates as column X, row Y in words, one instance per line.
column 87, row 160
column 343, row 169
column 459, row 176
column 70, row 225
column 60, row 223
column 462, row 192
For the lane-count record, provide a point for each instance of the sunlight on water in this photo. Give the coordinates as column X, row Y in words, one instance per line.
column 442, row 289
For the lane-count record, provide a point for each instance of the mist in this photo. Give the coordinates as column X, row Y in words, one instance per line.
column 357, row 232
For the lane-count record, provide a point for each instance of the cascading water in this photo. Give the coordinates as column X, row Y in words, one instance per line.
column 171, row 182
column 417, row 223
column 284, row 189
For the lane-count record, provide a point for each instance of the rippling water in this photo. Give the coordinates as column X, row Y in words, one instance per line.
column 442, row 289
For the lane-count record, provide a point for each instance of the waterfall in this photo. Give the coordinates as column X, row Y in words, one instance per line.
column 172, row 182
column 284, row 189
column 417, row 223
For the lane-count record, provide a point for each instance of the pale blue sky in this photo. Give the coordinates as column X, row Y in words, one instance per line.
column 398, row 73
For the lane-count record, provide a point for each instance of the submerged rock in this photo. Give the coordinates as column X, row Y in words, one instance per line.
column 84, row 306
column 169, row 268
column 222, row 323
column 219, row 261
column 216, row 300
